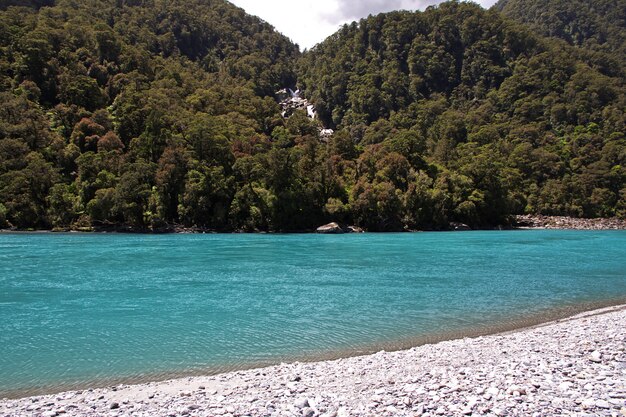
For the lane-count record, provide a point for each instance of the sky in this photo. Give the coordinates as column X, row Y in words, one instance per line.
column 308, row 22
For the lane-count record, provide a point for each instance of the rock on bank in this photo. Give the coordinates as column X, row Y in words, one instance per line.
column 559, row 222
column 575, row 367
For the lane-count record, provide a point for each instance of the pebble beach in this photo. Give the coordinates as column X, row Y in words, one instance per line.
column 570, row 367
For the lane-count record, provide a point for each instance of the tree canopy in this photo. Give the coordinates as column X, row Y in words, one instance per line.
column 147, row 113
column 485, row 117
column 598, row 25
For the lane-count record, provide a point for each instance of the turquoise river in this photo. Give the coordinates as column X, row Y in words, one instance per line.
column 79, row 310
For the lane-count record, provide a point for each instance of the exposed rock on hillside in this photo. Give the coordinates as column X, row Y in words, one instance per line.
column 290, row 101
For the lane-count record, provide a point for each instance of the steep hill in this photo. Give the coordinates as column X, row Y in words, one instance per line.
column 147, row 113
column 460, row 114
column 129, row 111
column 597, row 24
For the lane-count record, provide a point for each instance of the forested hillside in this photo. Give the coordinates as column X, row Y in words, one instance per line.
column 134, row 111
column 460, row 114
column 148, row 113
column 599, row 25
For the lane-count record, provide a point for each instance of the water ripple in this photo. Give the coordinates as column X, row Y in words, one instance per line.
column 77, row 309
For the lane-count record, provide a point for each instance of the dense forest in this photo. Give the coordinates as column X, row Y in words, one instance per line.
column 462, row 114
column 598, row 25
column 149, row 113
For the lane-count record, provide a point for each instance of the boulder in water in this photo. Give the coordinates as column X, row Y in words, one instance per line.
column 330, row 228
column 456, row 226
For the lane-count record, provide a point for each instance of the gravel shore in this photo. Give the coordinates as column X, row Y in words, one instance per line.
column 568, row 223
column 572, row 367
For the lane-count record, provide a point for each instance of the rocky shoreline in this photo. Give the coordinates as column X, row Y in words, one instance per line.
column 531, row 221
column 574, row 367
column 526, row 221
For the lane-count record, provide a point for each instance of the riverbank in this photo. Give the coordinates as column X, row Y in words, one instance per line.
column 531, row 221
column 575, row 366
column 526, row 221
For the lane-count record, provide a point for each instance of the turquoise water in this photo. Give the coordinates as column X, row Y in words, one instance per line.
column 80, row 309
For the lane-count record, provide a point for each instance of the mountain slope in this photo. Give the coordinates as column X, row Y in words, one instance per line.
column 598, row 24
column 143, row 114
column 126, row 111
column 483, row 117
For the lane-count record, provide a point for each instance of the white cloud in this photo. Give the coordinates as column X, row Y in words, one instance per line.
column 349, row 10
column 300, row 20
column 308, row 22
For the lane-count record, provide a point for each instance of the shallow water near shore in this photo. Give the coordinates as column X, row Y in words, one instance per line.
column 81, row 310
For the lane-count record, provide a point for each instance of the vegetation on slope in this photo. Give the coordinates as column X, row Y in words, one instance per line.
column 131, row 112
column 459, row 114
column 151, row 112
column 598, row 25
